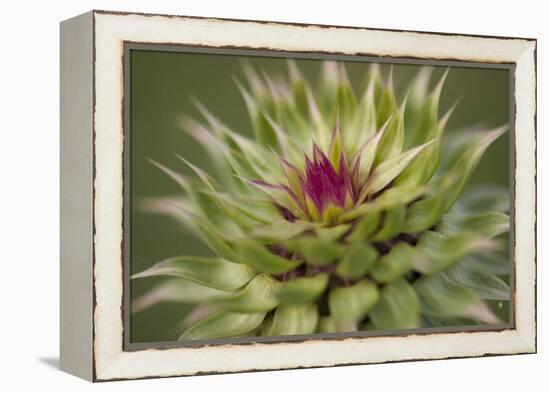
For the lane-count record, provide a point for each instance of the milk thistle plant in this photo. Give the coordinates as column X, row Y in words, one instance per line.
column 345, row 212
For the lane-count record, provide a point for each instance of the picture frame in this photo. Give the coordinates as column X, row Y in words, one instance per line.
column 95, row 246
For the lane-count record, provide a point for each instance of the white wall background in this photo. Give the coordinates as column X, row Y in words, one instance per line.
column 29, row 195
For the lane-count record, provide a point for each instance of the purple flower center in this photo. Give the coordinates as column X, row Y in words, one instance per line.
column 323, row 184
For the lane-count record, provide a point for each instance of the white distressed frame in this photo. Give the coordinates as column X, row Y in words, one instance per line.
column 111, row 30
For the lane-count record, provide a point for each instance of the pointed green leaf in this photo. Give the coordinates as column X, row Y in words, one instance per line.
column 354, row 302
column 177, row 208
column 491, row 263
column 264, row 133
column 391, row 142
column 329, row 77
column 214, row 240
column 387, row 103
column 283, row 140
column 302, row 289
column 331, row 213
column 257, row 296
column 431, row 321
column 486, row 286
column 442, row 297
column 365, row 227
column 243, row 157
column 364, row 123
column 315, row 250
column 257, row 85
column 390, row 169
column 346, row 102
column 375, row 81
column 261, row 211
column 389, row 199
column 399, row 196
column 418, row 92
column 322, row 131
column 394, row 264
column 298, row 86
column 330, row 324
column 357, row 261
column 259, row 257
column 332, row 233
column 242, row 167
column 367, row 153
column 293, row 319
column 360, row 211
column 223, row 325
column 206, row 205
column 280, row 194
column 294, row 179
column 464, row 167
column 252, row 155
column 392, row 224
column 174, row 290
column 423, row 167
column 336, row 147
column 398, row 307
column 216, row 151
column 483, row 198
column 428, row 116
column 280, row 230
column 441, row 252
column 212, row 272
column 312, row 212
column 218, row 213
column 199, row 312
column 488, row 225
column 424, row 213
column 299, row 137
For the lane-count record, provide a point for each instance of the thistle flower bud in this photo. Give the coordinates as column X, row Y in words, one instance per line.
column 331, row 219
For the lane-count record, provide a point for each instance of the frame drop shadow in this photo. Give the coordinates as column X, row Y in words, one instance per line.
column 50, row 361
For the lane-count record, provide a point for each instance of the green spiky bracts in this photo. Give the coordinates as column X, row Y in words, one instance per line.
column 341, row 214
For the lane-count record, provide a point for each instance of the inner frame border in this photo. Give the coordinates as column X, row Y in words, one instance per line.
column 128, row 46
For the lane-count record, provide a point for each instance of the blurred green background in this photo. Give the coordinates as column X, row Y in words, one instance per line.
column 162, row 85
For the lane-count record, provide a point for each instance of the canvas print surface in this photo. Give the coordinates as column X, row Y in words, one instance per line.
column 280, row 196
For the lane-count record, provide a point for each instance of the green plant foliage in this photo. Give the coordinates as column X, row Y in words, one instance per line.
column 302, row 289
column 338, row 215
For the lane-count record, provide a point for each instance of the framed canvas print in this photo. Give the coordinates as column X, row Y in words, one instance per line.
column 245, row 195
